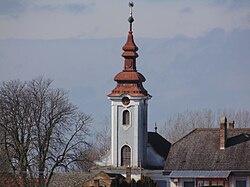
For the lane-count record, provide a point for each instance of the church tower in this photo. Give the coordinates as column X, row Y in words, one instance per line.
column 129, row 105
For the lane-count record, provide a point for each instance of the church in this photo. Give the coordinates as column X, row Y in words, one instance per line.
column 217, row 157
column 131, row 143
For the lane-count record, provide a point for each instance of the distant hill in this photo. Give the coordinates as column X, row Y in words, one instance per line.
column 211, row 71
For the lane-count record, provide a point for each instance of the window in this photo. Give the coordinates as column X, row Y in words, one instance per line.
column 241, row 183
column 125, row 117
column 125, row 100
column 188, row 184
column 210, row 182
column 125, row 156
column 96, row 183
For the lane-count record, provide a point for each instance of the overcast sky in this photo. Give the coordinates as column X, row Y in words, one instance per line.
column 194, row 54
column 64, row 19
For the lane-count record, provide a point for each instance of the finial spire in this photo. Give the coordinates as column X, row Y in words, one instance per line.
column 131, row 19
column 155, row 127
column 129, row 80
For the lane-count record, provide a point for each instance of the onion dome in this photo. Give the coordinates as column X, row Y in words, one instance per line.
column 129, row 80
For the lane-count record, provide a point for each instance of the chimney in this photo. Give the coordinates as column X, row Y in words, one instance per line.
column 128, row 174
column 231, row 124
column 223, row 133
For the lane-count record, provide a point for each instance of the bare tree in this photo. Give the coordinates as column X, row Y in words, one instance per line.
column 5, row 169
column 43, row 131
column 99, row 147
column 241, row 117
column 182, row 123
column 103, row 138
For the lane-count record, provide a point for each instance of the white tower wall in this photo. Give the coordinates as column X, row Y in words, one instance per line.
column 133, row 135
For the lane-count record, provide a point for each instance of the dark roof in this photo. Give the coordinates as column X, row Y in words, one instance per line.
column 200, row 150
column 199, row 174
column 159, row 144
column 114, row 175
column 68, row 179
column 111, row 176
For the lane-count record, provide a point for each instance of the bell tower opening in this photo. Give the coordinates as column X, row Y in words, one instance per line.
column 125, row 117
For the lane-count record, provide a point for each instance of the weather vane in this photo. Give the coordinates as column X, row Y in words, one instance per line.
column 131, row 19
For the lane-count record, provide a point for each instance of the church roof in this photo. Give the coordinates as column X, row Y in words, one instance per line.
column 200, row 150
column 159, row 144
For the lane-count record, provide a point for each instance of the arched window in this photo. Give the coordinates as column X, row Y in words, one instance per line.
column 125, row 117
column 125, row 155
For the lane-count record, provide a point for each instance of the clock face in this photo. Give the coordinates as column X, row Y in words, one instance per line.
column 125, row 100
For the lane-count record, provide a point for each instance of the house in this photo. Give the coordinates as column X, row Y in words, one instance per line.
column 211, row 157
column 105, row 179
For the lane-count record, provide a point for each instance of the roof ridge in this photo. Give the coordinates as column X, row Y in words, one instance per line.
column 240, row 128
column 184, row 136
column 207, row 129
column 210, row 129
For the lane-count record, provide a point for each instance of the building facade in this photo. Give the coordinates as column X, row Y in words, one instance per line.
column 218, row 157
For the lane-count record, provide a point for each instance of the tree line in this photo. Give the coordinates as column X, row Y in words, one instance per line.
column 182, row 123
column 41, row 131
